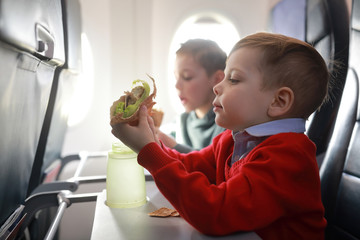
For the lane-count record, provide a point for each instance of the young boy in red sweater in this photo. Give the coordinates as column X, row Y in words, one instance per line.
column 261, row 174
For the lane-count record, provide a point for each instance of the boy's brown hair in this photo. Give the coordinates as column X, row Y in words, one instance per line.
column 205, row 52
column 289, row 62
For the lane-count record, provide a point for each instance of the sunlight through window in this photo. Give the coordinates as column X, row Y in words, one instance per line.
column 83, row 92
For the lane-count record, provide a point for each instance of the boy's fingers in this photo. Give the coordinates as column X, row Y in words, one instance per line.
column 143, row 114
column 151, row 123
column 153, row 129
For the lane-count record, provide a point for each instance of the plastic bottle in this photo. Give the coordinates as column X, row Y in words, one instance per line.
column 125, row 181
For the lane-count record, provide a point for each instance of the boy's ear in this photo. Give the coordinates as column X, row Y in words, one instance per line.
column 282, row 102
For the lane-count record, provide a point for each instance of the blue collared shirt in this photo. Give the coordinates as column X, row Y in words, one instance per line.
column 245, row 141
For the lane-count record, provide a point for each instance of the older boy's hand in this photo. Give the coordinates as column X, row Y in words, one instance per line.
column 136, row 137
column 169, row 141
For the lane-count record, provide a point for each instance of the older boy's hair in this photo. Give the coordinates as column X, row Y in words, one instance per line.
column 289, row 62
column 205, row 52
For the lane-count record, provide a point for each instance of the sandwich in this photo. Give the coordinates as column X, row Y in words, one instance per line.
column 157, row 115
column 126, row 108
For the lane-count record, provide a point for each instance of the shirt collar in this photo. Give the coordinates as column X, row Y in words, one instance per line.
column 296, row 125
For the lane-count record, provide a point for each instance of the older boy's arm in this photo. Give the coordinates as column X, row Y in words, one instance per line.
column 183, row 148
column 136, row 137
column 170, row 142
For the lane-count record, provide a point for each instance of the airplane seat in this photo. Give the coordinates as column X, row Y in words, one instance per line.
column 31, row 50
column 49, row 162
column 67, row 77
column 40, row 52
column 65, row 171
column 340, row 171
column 325, row 25
column 69, row 74
column 327, row 29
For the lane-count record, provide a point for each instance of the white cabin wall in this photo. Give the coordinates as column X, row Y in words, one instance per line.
column 130, row 38
column 89, row 134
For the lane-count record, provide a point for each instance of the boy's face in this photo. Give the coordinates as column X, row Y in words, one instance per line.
column 194, row 87
column 240, row 100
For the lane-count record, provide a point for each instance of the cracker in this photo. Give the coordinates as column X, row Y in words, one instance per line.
column 175, row 214
column 164, row 212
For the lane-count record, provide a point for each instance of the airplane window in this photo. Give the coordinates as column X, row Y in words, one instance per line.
column 206, row 26
column 80, row 103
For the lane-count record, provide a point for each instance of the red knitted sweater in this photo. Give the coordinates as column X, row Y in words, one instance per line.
column 274, row 190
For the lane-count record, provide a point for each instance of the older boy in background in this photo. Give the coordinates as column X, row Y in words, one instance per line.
column 199, row 66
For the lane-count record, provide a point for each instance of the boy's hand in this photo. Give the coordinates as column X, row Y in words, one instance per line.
column 136, row 137
column 169, row 141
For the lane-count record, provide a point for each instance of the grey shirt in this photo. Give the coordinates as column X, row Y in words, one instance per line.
column 197, row 133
